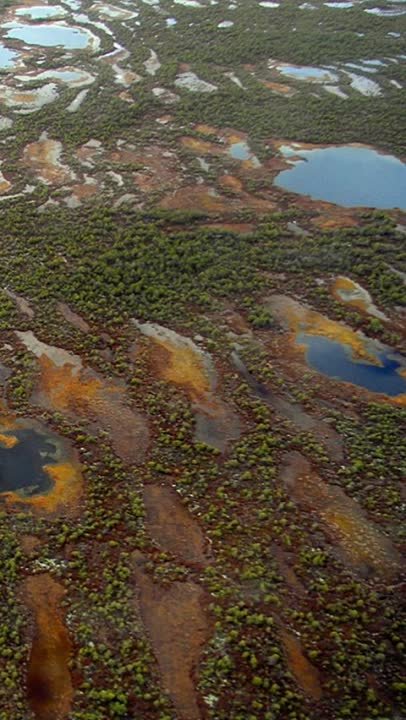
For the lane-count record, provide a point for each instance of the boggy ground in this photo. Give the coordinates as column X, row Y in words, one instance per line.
column 49, row 683
column 230, row 545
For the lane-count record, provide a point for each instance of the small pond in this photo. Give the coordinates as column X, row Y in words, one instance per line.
column 333, row 359
column 8, row 57
column 347, row 176
column 22, row 464
column 51, row 35
column 307, row 73
column 241, row 151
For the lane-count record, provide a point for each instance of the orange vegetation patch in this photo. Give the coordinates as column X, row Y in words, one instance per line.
column 5, row 185
column 177, row 624
column 334, row 221
column 206, row 129
column 230, row 182
column 49, row 683
column 203, row 147
column 207, row 200
column 67, row 389
column 195, row 197
column 343, row 286
column 233, row 227
column 8, row 441
column 172, row 526
column 351, row 293
column 65, row 494
column 301, row 318
column 278, row 87
column 177, row 360
column 305, row 674
column 363, row 546
column 181, row 365
column 44, row 158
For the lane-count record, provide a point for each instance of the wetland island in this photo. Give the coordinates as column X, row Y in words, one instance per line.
column 202, row 359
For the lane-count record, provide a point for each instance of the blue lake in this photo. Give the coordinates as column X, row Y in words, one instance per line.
column 335, row 360
column 347, row 176
column 50, row 35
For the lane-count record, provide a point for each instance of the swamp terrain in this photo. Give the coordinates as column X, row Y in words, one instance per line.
column 202, row 359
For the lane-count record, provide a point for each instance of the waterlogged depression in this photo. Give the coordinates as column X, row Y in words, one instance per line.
column 345, row 175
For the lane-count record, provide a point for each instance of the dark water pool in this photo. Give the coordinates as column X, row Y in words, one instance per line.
column 22, row 466
column 334, row 360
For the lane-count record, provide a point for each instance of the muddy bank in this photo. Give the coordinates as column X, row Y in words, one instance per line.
column 361, row 545
column 176, row 622
column 49, row 683
column 172, row 526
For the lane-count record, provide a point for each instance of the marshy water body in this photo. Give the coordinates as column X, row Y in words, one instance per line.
column 241, row 151
column 333, row 359
column 347, row 176
column 8, row 57
column 22, row 462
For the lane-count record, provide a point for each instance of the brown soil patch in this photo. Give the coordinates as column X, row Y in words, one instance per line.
column 363, row 546
column 333, row 222
column 216, row 423
column 278, row 87
column 230, row 182
column 172, row 526
column 49, row 683
column 206, row 129
column 176, row 622
column 5, row 185
column 159, row 169
column 73, row 318
column 125, row 157
column 294, row 413
column 84, row 191
column 44, row 158
column 22, row 304
column 287, row 571
column 206, row 200
column 66, row 386
column 202, row 147
column 29, row 544
column 181, row 365
column 305, row 674
column 233, row 227
column 89, row 396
